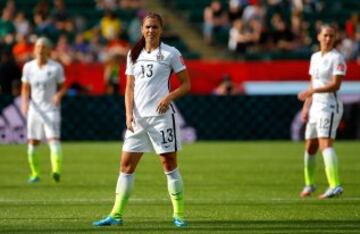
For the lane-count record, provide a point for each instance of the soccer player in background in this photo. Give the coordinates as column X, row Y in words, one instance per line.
column 150, row 117
column 41, row 93
column 322, row 110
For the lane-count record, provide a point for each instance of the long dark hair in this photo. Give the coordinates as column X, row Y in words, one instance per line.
column 140, row 44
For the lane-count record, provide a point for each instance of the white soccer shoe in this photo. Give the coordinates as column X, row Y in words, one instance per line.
column 332, row 192
column 307, row 191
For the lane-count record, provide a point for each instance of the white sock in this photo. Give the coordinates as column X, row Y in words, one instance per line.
column 174, row 181
column 124, row 184
column 331, row 166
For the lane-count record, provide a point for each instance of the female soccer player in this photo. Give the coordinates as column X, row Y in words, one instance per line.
column 322, row 111
column 41, row 94
column 150, row 116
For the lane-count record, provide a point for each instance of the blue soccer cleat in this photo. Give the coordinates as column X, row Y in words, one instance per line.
column 33, row 180
column 332, row 192
column 108, row 221
column 179, row 222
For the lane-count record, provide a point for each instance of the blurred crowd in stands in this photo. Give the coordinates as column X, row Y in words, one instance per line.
column 278, row 25
column 89, row 31
column 74, row 40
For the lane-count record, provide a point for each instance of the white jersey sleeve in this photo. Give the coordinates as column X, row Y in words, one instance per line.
column 339, row 66
column 177, row 62
column 312, row 68
column 129, row 66
column 25, row 74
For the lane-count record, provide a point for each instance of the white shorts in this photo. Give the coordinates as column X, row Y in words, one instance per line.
column 159, row 133
column 39, row 122
column 323, row 125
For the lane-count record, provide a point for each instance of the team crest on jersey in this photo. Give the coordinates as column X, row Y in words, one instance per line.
column 159, row 57
column 340, row 67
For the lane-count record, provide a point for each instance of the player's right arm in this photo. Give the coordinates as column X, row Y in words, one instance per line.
column 129, row 102
column 305, row 109
column 25, row 90
column 25, row 96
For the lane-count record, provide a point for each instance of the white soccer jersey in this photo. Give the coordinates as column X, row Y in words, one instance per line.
column 43, row 83
column 152, row 73
column 322, row 69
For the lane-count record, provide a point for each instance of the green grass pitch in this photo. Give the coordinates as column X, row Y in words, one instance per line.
column 231, row 187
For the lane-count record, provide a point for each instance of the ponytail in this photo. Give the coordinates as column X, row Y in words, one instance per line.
column 136, row 50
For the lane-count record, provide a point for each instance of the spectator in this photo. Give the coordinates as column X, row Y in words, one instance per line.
column 112, row 74
column 62, row 51
column 9, row 72
column 347, row 46
column 227, row 87
column 61, row 16
column 6, row 25
column 106, row 4
column 81, row 49
column 282, row 36
column 22, row 25
column 215, row 19
column 43, row 25
column 22, row 49
column 117, row 46
column 134, row 28
column 236, row 9
column 42, row 8
column 131, row 4
column 97, row 45
column 110, row 25
column 241, row 37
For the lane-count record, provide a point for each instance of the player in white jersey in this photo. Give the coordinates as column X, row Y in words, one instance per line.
column 150, row 117
column 322, row 111
column 42, row 90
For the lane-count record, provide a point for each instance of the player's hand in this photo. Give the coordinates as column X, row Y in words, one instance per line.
column 24, row 109
column 129, row 123
column 163, row 105
column 305, row 94
column 56, row 100
column 305, row 115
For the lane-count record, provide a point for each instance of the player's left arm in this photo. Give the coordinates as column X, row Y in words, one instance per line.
column 183, row 89
column 62, row 89
column 332, row 86
column 338, row 74
column 60, row 93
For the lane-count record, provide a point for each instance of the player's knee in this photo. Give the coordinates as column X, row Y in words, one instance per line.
column 34, row 142
column 312, row 147
column 127, row 168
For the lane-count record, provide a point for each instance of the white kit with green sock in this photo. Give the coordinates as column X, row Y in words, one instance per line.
column 123, row 190
column 33, row 159
column 176, row 192
column 331, row 167
column 56, row 156
column 309, row 168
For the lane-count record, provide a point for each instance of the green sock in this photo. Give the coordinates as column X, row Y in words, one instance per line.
column 176, row 192
column 309, row 168
column 55, row 156
column 331, row 167
column 33, row 159
column 123, row 190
